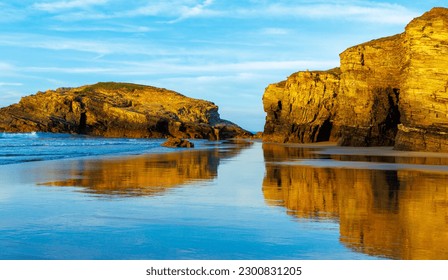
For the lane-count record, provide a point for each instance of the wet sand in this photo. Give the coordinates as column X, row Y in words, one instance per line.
column 234, row 201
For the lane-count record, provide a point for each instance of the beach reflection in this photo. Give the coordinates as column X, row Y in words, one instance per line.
column 146, row 175
column 399, row 214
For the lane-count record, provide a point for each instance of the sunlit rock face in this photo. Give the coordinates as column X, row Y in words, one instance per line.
column 368, row 112
column 118, row 110
column 390, row 91
column 301, row 108
column 424, row 97
column 386, row 213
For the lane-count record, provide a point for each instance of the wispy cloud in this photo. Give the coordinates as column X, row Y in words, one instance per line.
column 143, row 47
column 168, row 11
column 56, row 43
column 275, row 31
column 179, row 10
column 6, row 67
column 110, row 28
column 9, row 13
column 158, row 68
column 200, row 9
column 56, row 6
column 9, row 84
column 347, row 10
column 95, row 46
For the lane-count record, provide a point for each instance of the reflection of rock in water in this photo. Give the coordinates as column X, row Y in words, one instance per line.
column 396, row 214
column 148, row 174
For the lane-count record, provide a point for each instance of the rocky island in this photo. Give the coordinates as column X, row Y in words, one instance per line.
column 118, row 110
column 391, row 91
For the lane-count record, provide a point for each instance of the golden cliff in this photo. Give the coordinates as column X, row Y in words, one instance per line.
column 304, row 117
column 389, row 91
column 118, row 110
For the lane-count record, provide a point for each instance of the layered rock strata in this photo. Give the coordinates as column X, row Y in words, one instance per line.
column 118, row 110
column 424, row 92
column 305, row 117
column 389, row 91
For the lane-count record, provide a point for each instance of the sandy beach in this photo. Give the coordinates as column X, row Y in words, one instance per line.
column 228, row 201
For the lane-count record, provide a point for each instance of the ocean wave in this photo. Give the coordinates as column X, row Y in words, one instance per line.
column 38, row 146
column 19, row 135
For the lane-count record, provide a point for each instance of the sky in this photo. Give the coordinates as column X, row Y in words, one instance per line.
column 223, row 51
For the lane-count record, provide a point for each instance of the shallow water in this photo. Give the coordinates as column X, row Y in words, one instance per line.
column 227, row 201
column 26, row 147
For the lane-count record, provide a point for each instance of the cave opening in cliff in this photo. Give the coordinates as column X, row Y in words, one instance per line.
column 162, row 126
column 82, row 128
column 324, row 131
column 390, row 126
column 385, row 117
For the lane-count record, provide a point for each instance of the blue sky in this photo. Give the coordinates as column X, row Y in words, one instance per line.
column 223, row 51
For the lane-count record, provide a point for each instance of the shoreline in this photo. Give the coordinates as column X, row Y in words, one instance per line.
column 193, row 196
column 156, row 148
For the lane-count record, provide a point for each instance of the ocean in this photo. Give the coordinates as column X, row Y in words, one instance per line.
column 90, row 198
column 25, row 147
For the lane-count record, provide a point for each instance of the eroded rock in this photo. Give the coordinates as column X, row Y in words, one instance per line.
column 118, row 110
column 301, row 109
column 389, row 91
column 177, row 143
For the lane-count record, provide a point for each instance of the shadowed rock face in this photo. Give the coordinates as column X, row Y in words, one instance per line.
column 118, row 110
column 390, row 91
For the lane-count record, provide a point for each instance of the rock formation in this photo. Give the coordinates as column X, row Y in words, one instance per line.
column 301, row 108
column 118, row 110
column 389, row 91
column 177, row 143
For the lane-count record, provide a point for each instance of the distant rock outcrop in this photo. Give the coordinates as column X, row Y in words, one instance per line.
column 118, row 110
column 389, row 91
column 177, row 143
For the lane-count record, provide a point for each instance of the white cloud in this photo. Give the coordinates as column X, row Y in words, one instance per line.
column 132, row 46
column 118, row 28
column 152, row 9
column 179, row 10
column 357, row 11
column 157, row 68
column 200, row 9
column 3, row 84
column 68, row 70
column 61, row 43
column 6, row 67
column 69, row 4
column 275, row 31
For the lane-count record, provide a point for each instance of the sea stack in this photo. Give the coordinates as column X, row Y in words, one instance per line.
column 387, row 92
column 118, row 110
